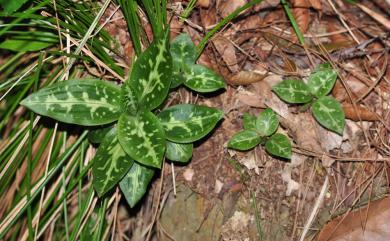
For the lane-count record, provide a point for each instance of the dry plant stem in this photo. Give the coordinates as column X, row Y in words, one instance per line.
column 353, row 204
column 158, row 203
column 22, row 76
column 45, row 202
column 365, row 182
column 317, row 205
column 20, row 146
column 86, row 36
column 297, row 208
column 303, row 151
column 173, row 178
column 379, row 18
column 341, row 17
column 115, row 213
column 45, row 176
column 375, row 83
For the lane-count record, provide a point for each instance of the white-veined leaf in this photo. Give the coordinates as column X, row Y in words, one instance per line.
column 179, row 152
column 97, row 135
column 201, row 79
column 135, row 183
column 187, row 123
column 177, row 77
column 183, row 49
column 129, row 98
column 293, row 91
column 84, row 102
column 249, row 121
column 279, row 145
column 110, row 164
column 244, row 140
column 142, row 137
column 267, row 122
column 151, row 74
column 322, row 81
column 329, row 113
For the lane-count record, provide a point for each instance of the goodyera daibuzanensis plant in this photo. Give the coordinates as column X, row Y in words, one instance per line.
column 138, row 133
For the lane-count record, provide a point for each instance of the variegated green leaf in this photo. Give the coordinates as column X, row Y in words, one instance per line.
column 183, row 50
column 135, row 183
column 177, row 77
column 84, row 102
column 249, row 122
column 279, row 145
column 187, row 123
column 179, row 152
column 129, row 98
column 142, row 137
column 267, row 122
column 202, row 79
column 110, row 164
column 293, row 91
column 244, row 140
column 329, row 113
column 322, row 81
column 97, row 134
column 151, row 75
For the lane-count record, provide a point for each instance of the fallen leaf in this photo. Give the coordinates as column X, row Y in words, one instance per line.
column 359, row 113
column 302, row 14
column 365, row 224
column 208, row 17
column 249, row 161
column 316, row 4
column 226, row 7
column 203, row 3
column 250, row 99
column 266, row 4
column 328, row 139
column 286, row 177
column 227, row 51
column 188, row 174
column 245, row 78
column 378, row 17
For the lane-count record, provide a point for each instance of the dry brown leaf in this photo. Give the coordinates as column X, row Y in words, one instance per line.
column 227, row 51
column 334, row 26
column 378, row 17
column 316, row 4
column 208, row 17
column 362, row 112
column 368, row 224
column 203, row 3
column 246, row 77
column 302, row 14
column 226, row 7
column 176, row 27
column 266, row 4
column 250, row 99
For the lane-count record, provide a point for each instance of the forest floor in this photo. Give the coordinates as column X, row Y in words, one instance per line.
column 335, row 187
column 230, row 195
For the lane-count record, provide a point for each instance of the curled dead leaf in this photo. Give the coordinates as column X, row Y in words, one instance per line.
column 360, row 111
column 246, row 77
